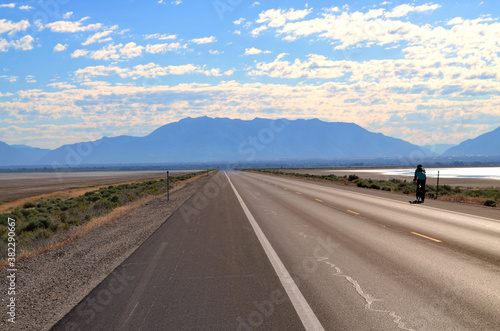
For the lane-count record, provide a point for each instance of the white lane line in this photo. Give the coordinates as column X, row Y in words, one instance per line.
column 306, row 315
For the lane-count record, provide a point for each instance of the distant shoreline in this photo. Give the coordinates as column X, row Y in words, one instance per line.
column 358, row 171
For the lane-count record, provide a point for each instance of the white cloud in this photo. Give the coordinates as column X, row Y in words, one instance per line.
column 73, row 26
column 252, row 51
column 131, row 50
column 405, row 9
column 94, row 71
column 240, row 21
column 62, row 86
column 161, row 36
column 215, row 52
column 8, row 5
column 274, row 18
column 23, row 44
column 79, row 53
column 26, row 7
column 68, row 15
column 13, row 28
column 255, row 4
column 30, row 79
column 60, row 47
column 456, row 20
column 112, row 52
column 150, row 70
column 11, row 79
column 163, row 48
column 97, row 37
column 205, row 40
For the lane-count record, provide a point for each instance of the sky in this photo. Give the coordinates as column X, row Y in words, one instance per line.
column 72, row 70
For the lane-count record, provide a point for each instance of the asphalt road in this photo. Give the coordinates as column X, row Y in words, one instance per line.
column 225, row 260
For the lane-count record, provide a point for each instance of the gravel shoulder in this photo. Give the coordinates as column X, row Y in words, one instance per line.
column 50, row 285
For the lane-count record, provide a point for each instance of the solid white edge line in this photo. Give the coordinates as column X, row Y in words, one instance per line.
column 306, row 315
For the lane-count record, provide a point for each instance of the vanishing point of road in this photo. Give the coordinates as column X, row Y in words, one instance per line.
column 252, row 251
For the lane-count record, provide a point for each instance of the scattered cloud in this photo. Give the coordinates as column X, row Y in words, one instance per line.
column 68, row 15
column 254, row 51
column 205, row 40
column 8, row 5
column 112, row 52
column 72, row 26
column 274, row 18
column 150, row 70
column 60, row 47
column 30, row 79
column 23, row 44
column 11, row 79
column 62, row 86
column 163, row 48
column 240, row 21
column 11, row 28
column 160, row 36
column 98, row 37
column 26, row 7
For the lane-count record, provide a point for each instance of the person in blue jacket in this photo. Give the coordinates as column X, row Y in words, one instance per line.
column 420, row 179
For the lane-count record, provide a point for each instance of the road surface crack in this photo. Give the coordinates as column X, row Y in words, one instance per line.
column 369, row 299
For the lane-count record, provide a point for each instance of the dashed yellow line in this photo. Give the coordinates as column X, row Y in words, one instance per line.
column 353, row 212
column 426, row 237
column 318, row 200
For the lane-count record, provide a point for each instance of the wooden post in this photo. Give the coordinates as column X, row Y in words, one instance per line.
column 168, row 187
column 437, row 187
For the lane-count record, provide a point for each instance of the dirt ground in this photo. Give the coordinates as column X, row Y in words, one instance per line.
column 50, row 284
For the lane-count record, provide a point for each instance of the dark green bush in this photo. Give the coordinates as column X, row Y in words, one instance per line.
column 352, row 178
column 490, row 203
column 29, row 205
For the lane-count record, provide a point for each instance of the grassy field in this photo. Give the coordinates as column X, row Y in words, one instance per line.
column 486, row 196
column 36, row 222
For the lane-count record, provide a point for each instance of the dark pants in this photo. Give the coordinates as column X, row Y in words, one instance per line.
column 421, row 186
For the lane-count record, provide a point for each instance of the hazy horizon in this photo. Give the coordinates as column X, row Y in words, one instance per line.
column 424, row 72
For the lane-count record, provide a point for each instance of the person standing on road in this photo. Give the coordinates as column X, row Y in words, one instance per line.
column 420, row 179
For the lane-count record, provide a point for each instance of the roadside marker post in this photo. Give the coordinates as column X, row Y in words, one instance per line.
column 437, row 187
column 168, row 187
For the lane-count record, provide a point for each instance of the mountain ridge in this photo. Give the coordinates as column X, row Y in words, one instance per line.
column 206, row 139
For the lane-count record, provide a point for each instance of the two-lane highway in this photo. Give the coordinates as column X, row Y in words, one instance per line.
column 257, row 251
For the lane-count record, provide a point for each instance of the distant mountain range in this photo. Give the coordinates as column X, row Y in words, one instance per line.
column 483, row 145
column 205, row 139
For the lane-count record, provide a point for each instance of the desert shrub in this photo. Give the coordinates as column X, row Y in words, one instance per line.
column 31, row 226
column 4, row 218
column 490, row 203
column 352, row 178
column 29, row 212
column 29, row 205
column 375, row 186
column 363, row 183
column 115, row 199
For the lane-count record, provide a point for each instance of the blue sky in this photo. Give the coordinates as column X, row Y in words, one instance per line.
column 426, row 72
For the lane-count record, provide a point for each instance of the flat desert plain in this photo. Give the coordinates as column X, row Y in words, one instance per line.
column 17, row 185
